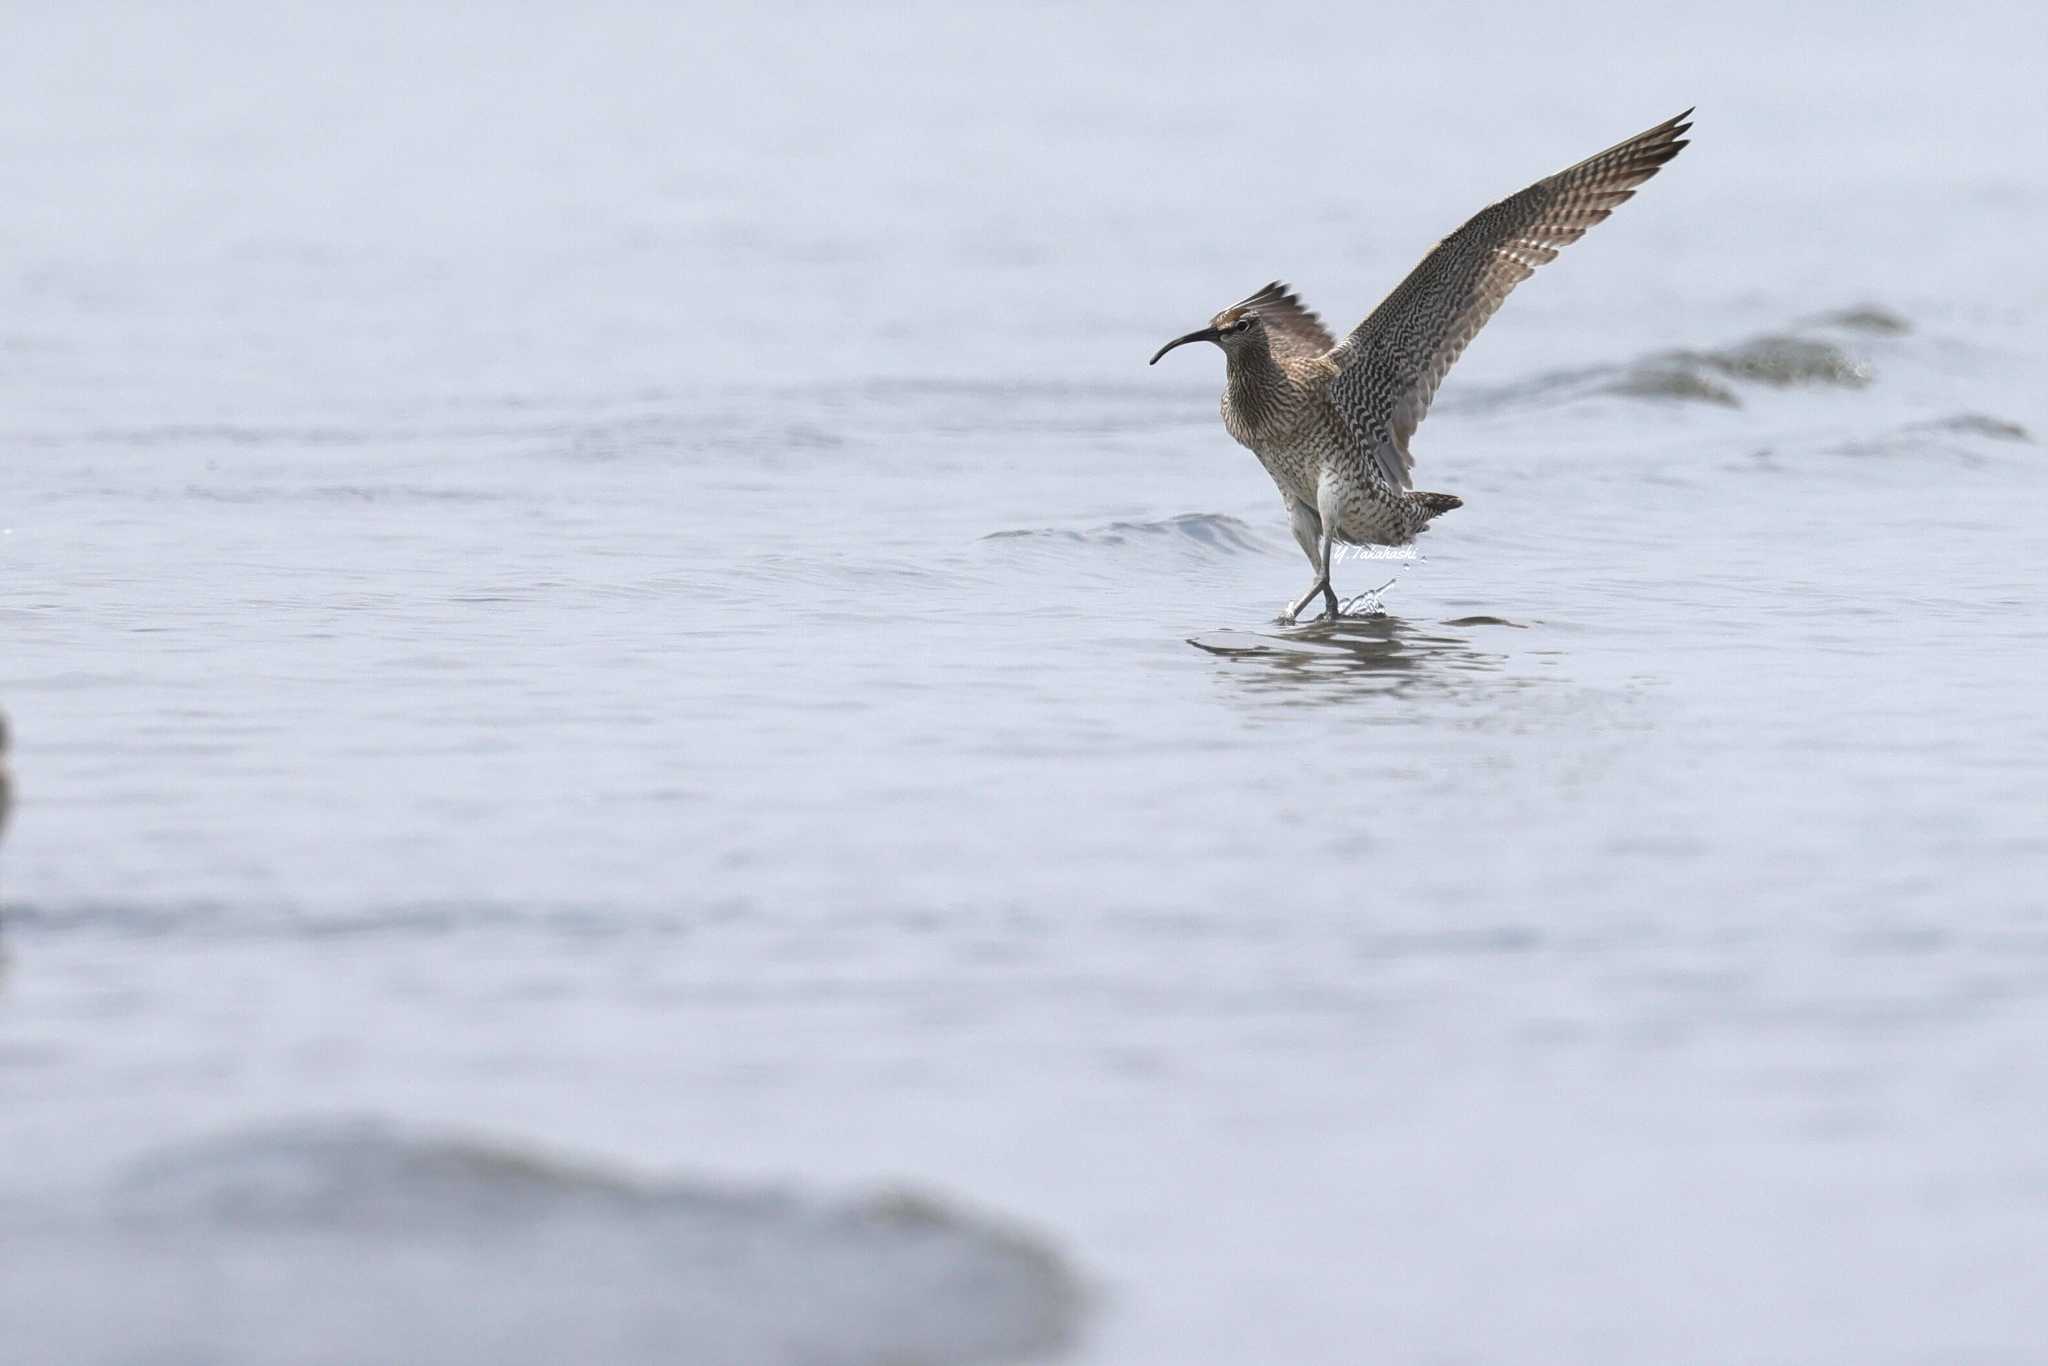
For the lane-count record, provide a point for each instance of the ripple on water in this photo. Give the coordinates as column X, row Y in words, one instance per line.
column 1871, row 319
column 1969, row 440
column 1205, row 530
column 1977, row 424
column 346, row 1242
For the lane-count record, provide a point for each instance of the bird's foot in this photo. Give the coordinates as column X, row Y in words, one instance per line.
column 1293, row 609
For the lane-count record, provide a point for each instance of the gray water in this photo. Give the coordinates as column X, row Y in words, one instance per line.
column 607, row 590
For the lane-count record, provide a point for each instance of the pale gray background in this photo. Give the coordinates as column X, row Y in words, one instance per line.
column 501, row 630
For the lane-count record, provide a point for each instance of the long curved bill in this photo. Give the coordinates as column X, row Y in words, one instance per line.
column 1206, row 334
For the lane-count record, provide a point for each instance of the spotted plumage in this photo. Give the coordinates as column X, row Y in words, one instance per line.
column 1331, row 421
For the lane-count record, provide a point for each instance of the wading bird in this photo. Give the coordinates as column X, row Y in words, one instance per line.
column 1330, row 421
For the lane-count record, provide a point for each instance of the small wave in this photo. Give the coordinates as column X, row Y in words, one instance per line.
column 1977, row 424
column 1675, row 382
column 1210, row 530
column 1960, row 438
column 1869, row 319
column 271, row 919
column 717, row 430
column 1789, row 359
column 347, row 1241
column 343, row 493
column 284, row 436
column 1782, row 361
column 228, row 434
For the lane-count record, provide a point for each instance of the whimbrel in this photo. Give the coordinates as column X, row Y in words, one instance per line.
column 1330, row 421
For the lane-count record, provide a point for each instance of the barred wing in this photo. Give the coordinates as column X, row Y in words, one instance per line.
column 1391, row 364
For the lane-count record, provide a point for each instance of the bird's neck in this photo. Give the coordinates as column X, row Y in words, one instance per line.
column 1257, row 387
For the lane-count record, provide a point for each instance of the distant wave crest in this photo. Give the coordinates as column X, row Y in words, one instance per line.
column 1821, row 352
column 1778, row 360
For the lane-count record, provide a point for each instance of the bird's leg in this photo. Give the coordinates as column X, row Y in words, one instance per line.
column 1308, row 534
column 1293, row 609
column 1330, row 612
column 1329, row 512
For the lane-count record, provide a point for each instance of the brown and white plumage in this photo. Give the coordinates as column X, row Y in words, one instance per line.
column 1389, row 368
column 1331, row 421
column 1295, row 330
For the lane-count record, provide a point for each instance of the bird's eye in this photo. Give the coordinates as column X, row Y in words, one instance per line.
column 1243, row 324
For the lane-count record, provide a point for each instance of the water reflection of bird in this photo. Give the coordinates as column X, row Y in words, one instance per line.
column 1350, row 655
column 1330, row 421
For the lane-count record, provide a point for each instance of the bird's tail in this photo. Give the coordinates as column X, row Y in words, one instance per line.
column 1435, row 504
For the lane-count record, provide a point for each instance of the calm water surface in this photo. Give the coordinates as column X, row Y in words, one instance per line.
column 596, row 609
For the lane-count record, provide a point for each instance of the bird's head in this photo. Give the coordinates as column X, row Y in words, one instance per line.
column 1236, row 329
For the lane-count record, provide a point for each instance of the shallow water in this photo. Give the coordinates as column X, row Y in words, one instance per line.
column 620, row 585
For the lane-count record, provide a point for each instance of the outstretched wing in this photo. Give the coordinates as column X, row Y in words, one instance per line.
column 1389, row 368
column 1293, row 330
